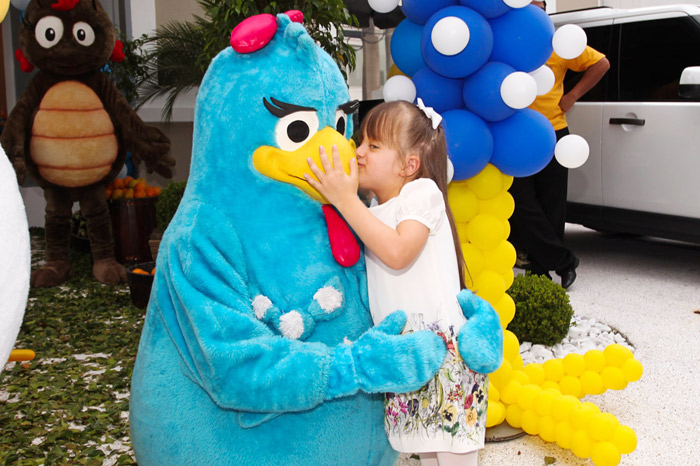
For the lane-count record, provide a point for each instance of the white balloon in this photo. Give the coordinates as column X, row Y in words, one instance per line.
column 20, row 4
column 450, row 35
column 16, row 258
column 383, row 6
column 571, row 151
column 544, row 77
column 569, row 41
column 518, row 90
column 450, row 170
column 517, row 3
column 399, row 87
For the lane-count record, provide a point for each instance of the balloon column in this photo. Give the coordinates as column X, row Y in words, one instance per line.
column 480, row 63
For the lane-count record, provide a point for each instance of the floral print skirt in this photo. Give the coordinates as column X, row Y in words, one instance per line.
column 447, row 414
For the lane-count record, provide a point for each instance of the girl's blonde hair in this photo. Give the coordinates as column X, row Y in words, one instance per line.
column 406, row 129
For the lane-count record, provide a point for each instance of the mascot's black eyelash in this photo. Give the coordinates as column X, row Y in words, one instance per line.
column 284, row 108
column 28, row 24
column 350, row 107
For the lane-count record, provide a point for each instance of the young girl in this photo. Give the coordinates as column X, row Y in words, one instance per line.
column 414, row 263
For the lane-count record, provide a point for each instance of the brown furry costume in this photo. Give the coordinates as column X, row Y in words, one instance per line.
column 71, row 129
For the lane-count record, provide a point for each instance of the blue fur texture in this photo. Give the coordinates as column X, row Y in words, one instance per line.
column 214, row 382
column 480, row 340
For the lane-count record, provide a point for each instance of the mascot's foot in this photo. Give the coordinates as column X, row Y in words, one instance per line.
column 52, row 274
column 109, row 271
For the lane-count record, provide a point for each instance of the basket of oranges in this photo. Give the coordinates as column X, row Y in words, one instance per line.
column 140, row 278
column 132, row 206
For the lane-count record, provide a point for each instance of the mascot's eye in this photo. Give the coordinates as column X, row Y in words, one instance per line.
column 84, row 33
column 341, row 122
column 293, row 130
column 48, row 31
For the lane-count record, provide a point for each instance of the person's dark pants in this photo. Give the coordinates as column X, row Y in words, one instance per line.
column 537, row 224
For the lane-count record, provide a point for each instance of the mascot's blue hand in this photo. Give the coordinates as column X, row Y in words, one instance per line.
column 382, row 360
column 480, row 339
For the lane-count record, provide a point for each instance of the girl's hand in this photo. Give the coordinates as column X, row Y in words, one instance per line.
column 333, row 183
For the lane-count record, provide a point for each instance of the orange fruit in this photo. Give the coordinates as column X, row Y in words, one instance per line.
column 140, row 271
column 108, row 193
column 157, row 190
column 129, row 194
column 140, row 186
column 118, row 193
column 139, row 194
column 150, row 191
column 153, row 271
column 118, row 183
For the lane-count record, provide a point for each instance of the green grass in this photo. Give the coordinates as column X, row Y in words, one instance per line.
column 70, row 405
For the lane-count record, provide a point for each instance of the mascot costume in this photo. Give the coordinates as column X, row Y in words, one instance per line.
column 258, row 346
column 71, row 129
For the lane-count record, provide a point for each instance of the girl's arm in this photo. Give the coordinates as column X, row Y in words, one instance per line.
column 396, row 248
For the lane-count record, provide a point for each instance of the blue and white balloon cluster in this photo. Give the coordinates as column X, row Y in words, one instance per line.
column 480, row 63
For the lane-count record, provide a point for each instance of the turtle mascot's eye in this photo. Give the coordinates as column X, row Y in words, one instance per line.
column 84, row 33
column 48, row 31
column 293, row 130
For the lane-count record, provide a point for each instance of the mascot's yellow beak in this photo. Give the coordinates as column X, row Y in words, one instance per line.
column 289, row 167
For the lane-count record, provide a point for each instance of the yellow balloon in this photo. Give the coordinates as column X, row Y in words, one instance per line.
column 562, row 434
column 394, row 71
column 506, row 227
column 508, row 278
column 495, row 414
column 463, row 201
column 574, row 364
column 4, row 6
column 544, row 402
column 581, row 444
column 462, row 231
column 485, row 231
column 625, row 439
column 546, row 429
column 490, row 286
column 562, row 406
column 514, row 416
column 551, row 385
column 570, row 385
column 554, row 370
column 616, row 355
column 501, row 376
column 582, row 414
column 529, row 421
column 500, row 258
column 501, row 206
column 595, row 360
column 507, row 181
column 613, row 378
column 535, row 372
column 474, row 259
column 520, row 376
column 487, row 184
column 517, row 363
column 527, row 396
column 605, row 454
column 509, row 394
column 494, row 392
column 632, row 370
column 511, row 345
column 505, row 307
column 602, row 426
column 592, row 383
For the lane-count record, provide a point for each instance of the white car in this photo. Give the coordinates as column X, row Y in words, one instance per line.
column 644, row 136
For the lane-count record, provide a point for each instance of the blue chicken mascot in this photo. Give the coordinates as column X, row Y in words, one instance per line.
column 258, row 346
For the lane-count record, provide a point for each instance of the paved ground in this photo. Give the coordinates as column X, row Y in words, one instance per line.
column 649, row 289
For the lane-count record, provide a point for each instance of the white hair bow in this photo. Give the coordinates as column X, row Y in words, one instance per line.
column 434, row 116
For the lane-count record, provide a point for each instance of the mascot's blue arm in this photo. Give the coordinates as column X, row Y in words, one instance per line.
column 206, row 307
column 481, row 337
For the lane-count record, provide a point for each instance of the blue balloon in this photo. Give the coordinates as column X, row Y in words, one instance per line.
column 474, row 55
column 482, row 92
column 522, row 38
column 405, row 47
column 522, row 144
column 437, row 91
column 419, row 11
column 469, row 142
column 487, row 8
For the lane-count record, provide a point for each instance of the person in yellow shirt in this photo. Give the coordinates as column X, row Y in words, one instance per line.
column 537, row 225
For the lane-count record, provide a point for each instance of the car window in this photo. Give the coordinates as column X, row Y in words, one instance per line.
column 653, row 55
column 599, row 38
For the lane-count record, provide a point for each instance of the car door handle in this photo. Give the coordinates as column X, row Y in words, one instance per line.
column 627, row 121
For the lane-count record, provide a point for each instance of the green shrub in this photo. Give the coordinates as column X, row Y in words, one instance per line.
column 542, row 310
column 167, row 203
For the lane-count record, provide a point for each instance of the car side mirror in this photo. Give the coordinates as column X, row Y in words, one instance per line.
column 689, row 85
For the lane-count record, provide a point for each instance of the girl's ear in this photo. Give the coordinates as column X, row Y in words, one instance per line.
column 411, row 165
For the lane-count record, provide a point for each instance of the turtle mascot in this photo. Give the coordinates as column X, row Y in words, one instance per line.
column 71, row 129
column 258, row 346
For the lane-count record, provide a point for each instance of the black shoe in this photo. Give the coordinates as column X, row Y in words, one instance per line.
column 568, row 276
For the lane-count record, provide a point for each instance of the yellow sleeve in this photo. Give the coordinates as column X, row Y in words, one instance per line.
column 588, row 58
